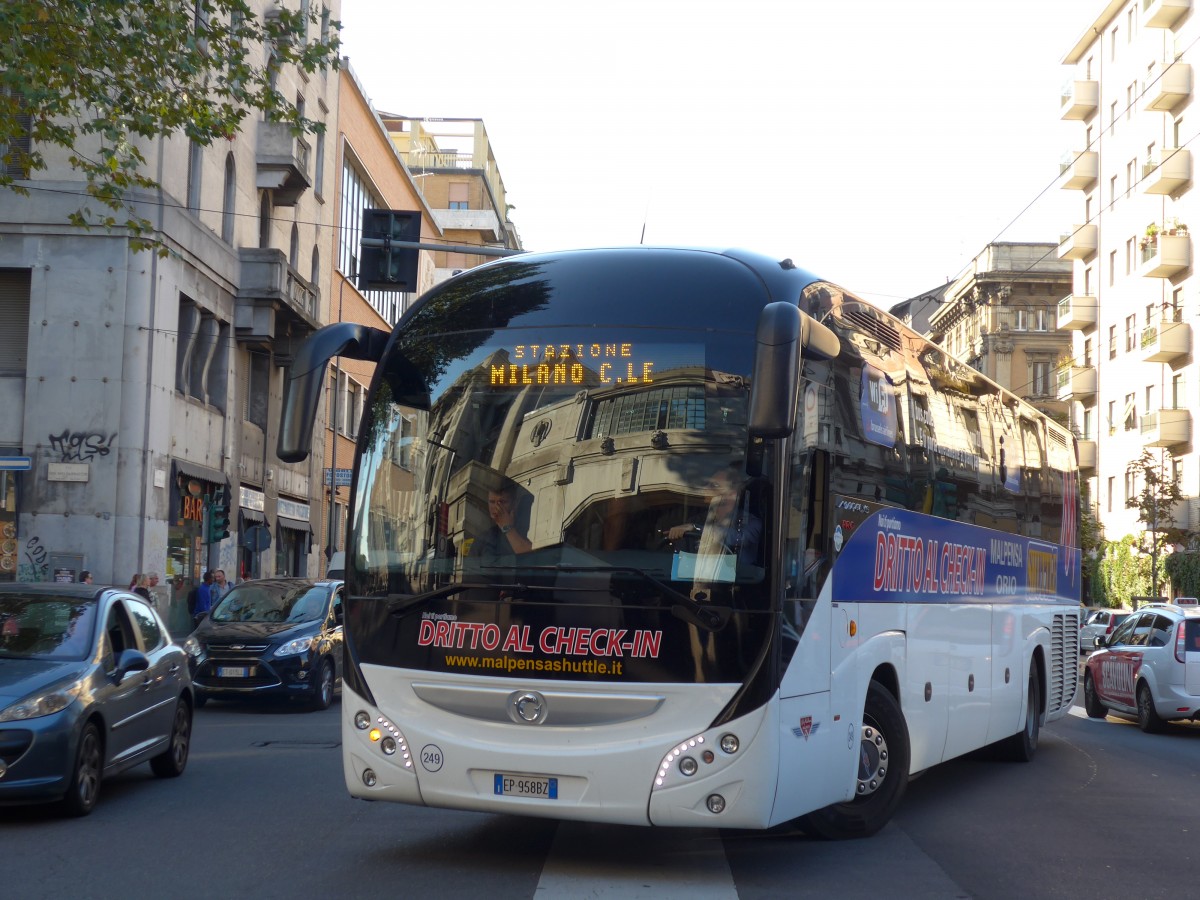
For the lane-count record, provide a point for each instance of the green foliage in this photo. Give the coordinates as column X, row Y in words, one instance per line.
column 1121, row 573
column 1183, row 568
column 93, row 76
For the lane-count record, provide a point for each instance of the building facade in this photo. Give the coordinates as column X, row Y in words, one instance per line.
column 142, row 388
column 999, row 316
column 456, row 168
column 1132, row 379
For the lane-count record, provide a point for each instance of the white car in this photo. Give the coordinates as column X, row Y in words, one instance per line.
column 1099, row 623
column 1149, row 667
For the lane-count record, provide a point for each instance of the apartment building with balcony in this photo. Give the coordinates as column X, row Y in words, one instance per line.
column 138, row 385
column 999, row 316
column 455, row 166
column 1133, row 381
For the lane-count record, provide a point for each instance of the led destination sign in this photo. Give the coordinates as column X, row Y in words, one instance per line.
column 579, row 364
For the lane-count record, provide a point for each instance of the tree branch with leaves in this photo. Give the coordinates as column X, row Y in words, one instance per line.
column 92, row 77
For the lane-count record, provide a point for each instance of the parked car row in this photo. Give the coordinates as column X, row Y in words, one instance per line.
column 92, row 684
column 1148, row 667
column 1099, row 623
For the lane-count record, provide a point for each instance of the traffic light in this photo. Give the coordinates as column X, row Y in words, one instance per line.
column 218, row 517
column 384, row 266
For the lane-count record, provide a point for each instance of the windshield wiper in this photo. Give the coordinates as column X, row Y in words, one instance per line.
column 702, row 615
column 401, row 603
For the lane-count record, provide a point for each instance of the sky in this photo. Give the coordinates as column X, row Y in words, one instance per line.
column 880, row 145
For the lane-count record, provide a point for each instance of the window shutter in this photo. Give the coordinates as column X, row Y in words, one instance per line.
column 14, row 320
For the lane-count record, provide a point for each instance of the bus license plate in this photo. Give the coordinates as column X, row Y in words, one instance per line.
column 526, row 786
column 234, row 671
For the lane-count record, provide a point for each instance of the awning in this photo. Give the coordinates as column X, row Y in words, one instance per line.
column 195, row 470
column 253, row 516
column 294, row 524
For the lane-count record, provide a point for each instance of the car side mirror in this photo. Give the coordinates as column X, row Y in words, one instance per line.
column 1101, row 641
column 131, row 661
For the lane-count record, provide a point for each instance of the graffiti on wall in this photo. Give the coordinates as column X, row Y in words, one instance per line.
column 81, row 446
column 36, row 564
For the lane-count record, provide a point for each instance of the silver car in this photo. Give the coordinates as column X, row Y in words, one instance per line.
column 1099, row 623
column 1149, row 667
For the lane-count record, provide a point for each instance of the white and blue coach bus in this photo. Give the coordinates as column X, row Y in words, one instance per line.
column 688, row 538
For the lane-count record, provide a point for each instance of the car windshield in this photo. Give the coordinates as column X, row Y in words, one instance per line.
column 42, row 627
column 272, row 603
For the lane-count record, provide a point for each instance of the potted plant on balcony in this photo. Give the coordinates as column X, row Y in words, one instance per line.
column 1151, row 237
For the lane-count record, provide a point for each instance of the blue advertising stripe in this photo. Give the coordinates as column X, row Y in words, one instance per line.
column 900, row 556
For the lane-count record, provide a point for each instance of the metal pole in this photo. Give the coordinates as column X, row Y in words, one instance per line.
column 453, row 248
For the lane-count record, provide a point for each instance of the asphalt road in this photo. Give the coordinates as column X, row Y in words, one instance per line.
column 1104, row 811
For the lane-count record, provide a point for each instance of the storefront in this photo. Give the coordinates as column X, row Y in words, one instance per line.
column 11, row 467
column 191, row 486
column 294, row 538
column 254, row 532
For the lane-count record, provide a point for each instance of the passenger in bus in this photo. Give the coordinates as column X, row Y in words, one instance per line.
column 504, row 537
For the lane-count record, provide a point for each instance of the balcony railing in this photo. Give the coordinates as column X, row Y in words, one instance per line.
column 1079, row 99
column 1076, row 313
column 1080, row 243
column 1166, row 428
column 1165, row 173
column 1165, row 255
column 1166, row 340
column 1079, row 171
column 1163, row 13
column 1168, row 86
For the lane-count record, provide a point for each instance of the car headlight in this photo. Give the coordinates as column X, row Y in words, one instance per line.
column 193, row 647
column 44, row 704
column 291, row 648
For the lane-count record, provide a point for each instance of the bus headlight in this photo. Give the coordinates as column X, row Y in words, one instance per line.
column 730, row 743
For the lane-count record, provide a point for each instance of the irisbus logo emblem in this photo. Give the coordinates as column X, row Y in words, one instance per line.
column 527, row 707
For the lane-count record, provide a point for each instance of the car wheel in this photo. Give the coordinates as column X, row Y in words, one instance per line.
column 84, row 789
column 1091, row 703
column 1022, row 746
column 1148, row 718
column 323, row 688
column 882, row 773
column 172, row 761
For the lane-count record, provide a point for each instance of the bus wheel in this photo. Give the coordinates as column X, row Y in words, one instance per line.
column 883, row 756
column 1022, row 745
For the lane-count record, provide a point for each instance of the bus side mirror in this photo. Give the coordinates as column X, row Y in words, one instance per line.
column 784, row 332
column 306, row 378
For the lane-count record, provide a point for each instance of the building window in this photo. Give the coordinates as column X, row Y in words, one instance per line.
column 1039, row 323
column 229, row 206
column 254, row 401
column 195, row 165
column 319, row 167
column 1130, row 486
column 294, row 247
column 202, row 354
column 1130, row 411
column 1112, row 267
column 357, row 196
column 14, row 157
column 1112, row 417
column 1111, row 489
column 315, row 270
column 1178, row 398
column 1130, row 332
column 1112, row 341
column 1022, row 319
column 458, row 195
column 1041, row 379
column 264, row 221
column 14, row 320
column 1088, row 359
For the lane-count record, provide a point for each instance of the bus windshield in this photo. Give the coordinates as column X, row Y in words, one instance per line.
column 585, row 474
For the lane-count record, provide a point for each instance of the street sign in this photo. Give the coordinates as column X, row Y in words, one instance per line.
column 21, row 464
column 343, row 477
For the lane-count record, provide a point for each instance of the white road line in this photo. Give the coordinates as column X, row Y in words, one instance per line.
column 626, row 863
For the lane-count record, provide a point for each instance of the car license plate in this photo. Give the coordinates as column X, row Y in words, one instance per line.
column 234, row 671
column 525, row 786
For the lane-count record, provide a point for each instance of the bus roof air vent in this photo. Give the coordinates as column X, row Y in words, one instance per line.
column 884, row 332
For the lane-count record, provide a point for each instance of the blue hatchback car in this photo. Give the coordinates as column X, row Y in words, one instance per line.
column 90, row 685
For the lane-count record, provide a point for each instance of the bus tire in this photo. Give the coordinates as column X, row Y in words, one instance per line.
column 1022, row 746
column 882, row 774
